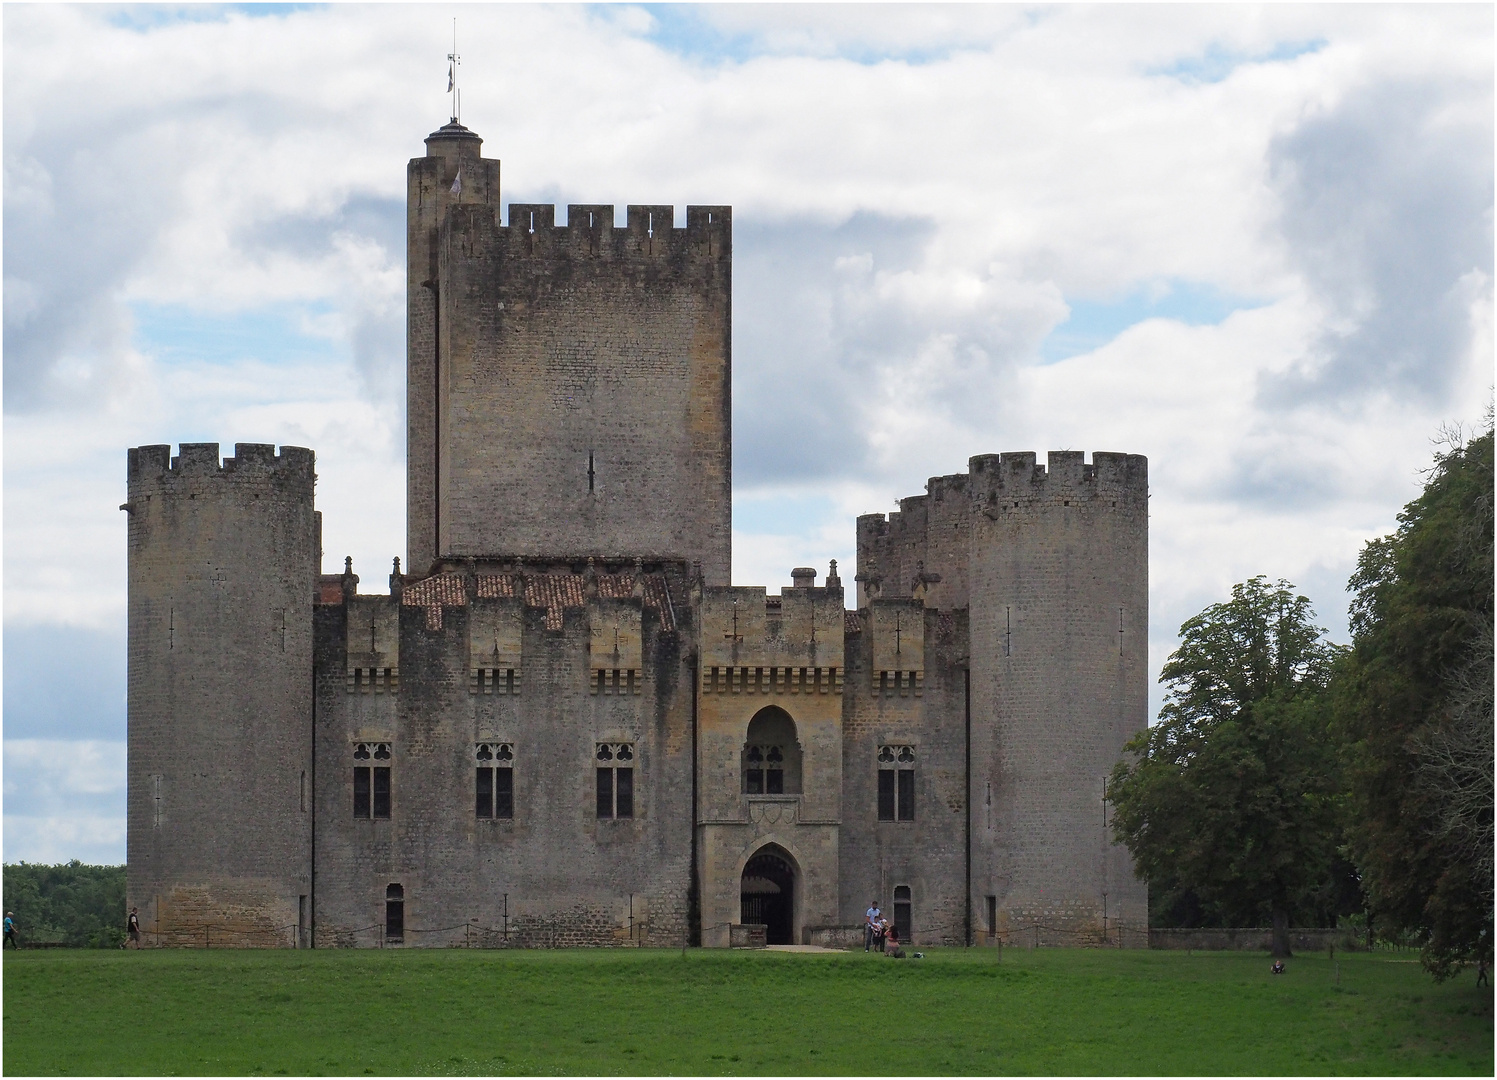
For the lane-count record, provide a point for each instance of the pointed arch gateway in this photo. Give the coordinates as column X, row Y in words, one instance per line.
column 767, row 893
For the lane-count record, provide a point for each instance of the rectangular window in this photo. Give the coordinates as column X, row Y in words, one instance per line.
column 381, row 792
column 504, row 793
column 906, row 795
column 755, row 781
column 605, row 793
column 484, row 803
column 886, row 794
column 992, row 917
column 774, row 781
column 371, row 782
column 615, row 783
column 361, row 791
column 625, row 784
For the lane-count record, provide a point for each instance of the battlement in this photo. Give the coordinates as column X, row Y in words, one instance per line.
column 1066, row 469
column 648, row 231
column 201, row 459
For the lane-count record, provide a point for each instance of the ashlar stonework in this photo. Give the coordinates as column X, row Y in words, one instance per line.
column 563, row 725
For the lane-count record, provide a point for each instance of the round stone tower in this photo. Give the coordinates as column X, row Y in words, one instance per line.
column 1059, row 584
column 223, row 564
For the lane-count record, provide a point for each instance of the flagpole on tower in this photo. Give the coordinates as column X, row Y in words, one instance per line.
column 453, row 60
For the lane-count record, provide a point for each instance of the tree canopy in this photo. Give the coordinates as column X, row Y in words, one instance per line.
column 70, row 903
column 1414, row 706
column 1231, row 800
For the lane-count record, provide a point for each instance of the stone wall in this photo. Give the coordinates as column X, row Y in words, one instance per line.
column 554, row 873
column 927, row 855
column 222, row 567
column 1059, row 610
column 1255, row 939
column 569, row 385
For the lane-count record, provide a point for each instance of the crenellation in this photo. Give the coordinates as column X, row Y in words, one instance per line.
column 561, row 725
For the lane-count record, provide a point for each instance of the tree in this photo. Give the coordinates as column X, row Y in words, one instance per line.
column 1232, row 798
column 1414, row 705
column 70, row 903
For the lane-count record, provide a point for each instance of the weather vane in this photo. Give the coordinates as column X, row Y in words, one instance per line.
column 453, row 60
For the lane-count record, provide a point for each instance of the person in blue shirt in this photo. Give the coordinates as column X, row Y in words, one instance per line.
column 10, row 930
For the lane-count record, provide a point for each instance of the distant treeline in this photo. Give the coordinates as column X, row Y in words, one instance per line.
column 69, row 904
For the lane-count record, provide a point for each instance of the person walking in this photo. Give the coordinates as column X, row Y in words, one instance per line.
column 10, row 931
column 132, row 929
column 871, row 920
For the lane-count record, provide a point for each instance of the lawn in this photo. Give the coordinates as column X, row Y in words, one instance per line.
column 469, row 1012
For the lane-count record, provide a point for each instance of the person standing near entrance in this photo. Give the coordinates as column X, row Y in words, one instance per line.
column 871, row 919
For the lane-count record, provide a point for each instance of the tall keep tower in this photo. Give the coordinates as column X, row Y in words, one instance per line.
column 223, row 563
column 569, row 385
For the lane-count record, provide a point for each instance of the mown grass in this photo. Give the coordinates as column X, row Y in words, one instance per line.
column 646, row 1012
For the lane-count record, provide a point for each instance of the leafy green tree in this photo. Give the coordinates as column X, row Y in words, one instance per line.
column 70, row 903
column 1232, row 799
column 1414, row 704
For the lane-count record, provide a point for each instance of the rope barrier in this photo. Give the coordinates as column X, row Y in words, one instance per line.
column 479, row 935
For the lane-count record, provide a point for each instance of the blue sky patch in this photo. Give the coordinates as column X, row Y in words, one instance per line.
column 1093, row 324
column 147, row 17
column 781, row 515
column 277, row 334
column 685, row 31
column 1216, row 63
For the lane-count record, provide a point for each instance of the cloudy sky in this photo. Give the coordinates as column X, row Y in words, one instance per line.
column 1254, row 244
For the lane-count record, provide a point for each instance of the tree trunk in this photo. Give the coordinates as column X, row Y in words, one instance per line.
column 1280, row 934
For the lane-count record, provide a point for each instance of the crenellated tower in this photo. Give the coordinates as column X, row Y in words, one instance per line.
column 1051, row 565
column 223, row 562
column 569, row 385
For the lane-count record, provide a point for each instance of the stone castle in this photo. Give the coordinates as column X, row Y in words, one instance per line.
column 563, row 724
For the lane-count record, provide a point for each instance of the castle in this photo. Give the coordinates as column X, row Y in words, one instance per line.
column 563, row 724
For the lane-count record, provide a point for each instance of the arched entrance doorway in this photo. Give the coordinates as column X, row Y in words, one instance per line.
column 767, row 895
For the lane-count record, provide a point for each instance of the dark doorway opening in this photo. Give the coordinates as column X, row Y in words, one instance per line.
column 902, row 913
column 394, row 913
column 767, row 895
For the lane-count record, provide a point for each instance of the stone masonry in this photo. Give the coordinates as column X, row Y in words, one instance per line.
column 563, row 725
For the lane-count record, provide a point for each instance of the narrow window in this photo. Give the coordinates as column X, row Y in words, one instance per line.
column 605, row 793
column 753, row 776
column 615, row 790
column 896, row 783
column 906, row 795
column 381, row 792
column 774, row 772
column 992, row 917
column 625, row 784
column 304, row 791
column 394, row 913
column 484, row 803
column 361, row 791
column 504, row 793
column 886, row 794
column 902, row 909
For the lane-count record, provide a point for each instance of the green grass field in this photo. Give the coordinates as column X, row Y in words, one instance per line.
column 468, row 1012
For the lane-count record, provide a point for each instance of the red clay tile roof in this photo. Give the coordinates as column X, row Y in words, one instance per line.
column 554, row 592
column 330, row 589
